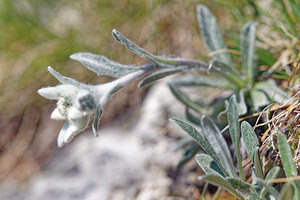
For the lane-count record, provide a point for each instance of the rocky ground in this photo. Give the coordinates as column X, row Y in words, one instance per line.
column 123, row 163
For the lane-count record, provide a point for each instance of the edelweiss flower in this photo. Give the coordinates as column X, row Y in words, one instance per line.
column 76, row 102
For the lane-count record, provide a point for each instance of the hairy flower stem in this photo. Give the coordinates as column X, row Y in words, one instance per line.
column 122, row 82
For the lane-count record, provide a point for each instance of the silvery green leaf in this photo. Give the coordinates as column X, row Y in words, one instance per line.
column 286, row 156
column 248, row 51
column 272, row 174
column 296, row 191
column 272, row 90
column 221, row 182
column 161, row 73
column 223, row 69
column 160, row 60
column 268, row 188
column 181, row 96
column 215, row 138
column 208, row 165
column 259, row 99
column 66, row 80
column 198, row 80
column 258, row 164
column 140, row 51
column 287, row 159
column 247, row 190
column 234, row 130
column 286, row 192
column 188, row 154
column 211, row 35
column 101, row 65
column 249, row 138
column 241, row 104
column 197, row 135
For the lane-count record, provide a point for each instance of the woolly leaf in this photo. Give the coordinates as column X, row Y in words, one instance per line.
column 286, row 192
column 234, row 130
column 208, row 165
column 211, row 35
column 215, row 138
column 221, row 182
column 102, row 65
column 272, row 90
column 286, row 156
column 249, row 138
column 248, row 51
column 287, row 159
column 258, row 98
column 247, row 190
column 258, row 164
column 198, row 136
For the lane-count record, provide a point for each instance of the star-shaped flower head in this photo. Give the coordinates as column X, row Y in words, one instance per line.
column 76, row 102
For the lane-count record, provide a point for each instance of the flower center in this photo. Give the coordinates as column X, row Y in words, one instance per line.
column 87, row 102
